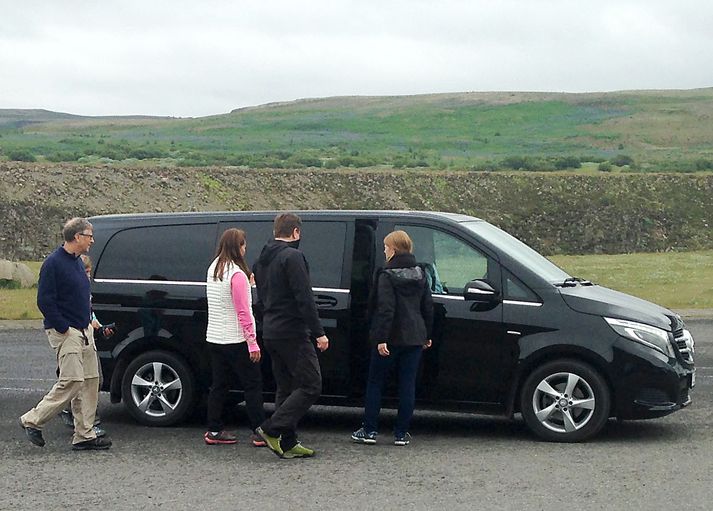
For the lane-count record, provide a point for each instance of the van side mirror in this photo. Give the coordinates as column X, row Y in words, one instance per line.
column 480, row 291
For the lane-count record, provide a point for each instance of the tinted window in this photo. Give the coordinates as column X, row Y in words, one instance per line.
column 322, row 243
column 516, row 290
column 168, row 252
column 451, row 262
column 256, row 233
column 516, row 249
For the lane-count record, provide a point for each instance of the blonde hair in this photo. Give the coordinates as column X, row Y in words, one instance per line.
column 86, row 260
column 400, row 242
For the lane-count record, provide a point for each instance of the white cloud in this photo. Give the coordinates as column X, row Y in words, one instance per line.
column 199, row 58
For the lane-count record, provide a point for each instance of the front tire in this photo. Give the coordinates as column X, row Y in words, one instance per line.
column 158, row 388
column 565, row 401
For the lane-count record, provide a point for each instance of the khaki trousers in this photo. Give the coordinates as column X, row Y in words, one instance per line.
column 78, row 382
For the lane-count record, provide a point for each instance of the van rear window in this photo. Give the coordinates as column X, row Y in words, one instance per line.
column 166, row 252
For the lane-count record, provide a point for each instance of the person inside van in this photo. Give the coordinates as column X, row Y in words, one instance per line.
column 401, row 325
column 231, row 338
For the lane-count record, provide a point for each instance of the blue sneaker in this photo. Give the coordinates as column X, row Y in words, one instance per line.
column 401, row 440
column 362, row 436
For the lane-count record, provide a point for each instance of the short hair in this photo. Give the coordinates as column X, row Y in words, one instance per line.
column 285, row 224
column 400, row 242
column 75, row 226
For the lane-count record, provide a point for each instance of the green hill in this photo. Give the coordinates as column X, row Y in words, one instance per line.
column 633, row 130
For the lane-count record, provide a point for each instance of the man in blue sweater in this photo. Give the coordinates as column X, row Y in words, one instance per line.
column 63, row 297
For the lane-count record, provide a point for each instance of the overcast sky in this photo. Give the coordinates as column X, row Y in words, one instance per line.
column 194, row 58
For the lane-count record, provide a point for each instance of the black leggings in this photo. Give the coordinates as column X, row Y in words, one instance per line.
column 228, row 360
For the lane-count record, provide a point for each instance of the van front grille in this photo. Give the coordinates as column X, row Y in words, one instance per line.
column 684, row 343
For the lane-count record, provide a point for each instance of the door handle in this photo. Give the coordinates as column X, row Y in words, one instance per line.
column 325, row 301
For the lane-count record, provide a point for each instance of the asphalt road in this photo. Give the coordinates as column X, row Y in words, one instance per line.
column 455, row 461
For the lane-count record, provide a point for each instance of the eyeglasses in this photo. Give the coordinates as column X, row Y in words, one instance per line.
column 86, row 235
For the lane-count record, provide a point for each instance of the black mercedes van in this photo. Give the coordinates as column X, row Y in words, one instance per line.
column 512, row 331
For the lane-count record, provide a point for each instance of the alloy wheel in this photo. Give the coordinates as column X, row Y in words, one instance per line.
column 563, row 402
column 156, row 389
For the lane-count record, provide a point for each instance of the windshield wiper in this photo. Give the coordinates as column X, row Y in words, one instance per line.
column 573, row 282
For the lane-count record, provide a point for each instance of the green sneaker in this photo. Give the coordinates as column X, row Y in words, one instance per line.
column 273, row 442
column 298, row 451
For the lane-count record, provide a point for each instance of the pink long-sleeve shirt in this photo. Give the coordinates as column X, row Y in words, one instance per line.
column 240, row 289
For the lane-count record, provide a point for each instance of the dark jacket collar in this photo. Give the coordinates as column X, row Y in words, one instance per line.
column 401, row 261
column 270, row 251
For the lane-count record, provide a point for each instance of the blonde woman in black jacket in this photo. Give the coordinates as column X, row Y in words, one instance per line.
column 400, row 330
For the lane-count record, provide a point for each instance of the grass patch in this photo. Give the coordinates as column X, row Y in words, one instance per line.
column 19, row 304
column 677, row 280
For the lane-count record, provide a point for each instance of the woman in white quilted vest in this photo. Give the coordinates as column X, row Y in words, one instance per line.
column 231, row 338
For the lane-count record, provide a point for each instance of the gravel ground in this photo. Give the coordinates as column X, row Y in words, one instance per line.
column 455, row 461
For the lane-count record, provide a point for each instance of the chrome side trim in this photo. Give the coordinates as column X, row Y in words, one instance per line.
column 508, row 302
column 526, row 304
column 195, row 283
column 448, row 297
column 152, row 282
column 330, row 290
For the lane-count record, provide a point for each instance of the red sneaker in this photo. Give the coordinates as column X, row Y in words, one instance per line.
column 257, row 440
column 221, row 437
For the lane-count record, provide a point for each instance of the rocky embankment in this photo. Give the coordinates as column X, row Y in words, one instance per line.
column 555, row 213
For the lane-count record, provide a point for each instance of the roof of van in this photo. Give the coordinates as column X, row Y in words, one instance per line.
column 219, row 215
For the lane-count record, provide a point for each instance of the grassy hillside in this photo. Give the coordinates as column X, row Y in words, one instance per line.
column 644, row 131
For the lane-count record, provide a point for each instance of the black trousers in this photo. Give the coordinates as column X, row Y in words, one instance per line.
column 228, row 360
column 298, row 383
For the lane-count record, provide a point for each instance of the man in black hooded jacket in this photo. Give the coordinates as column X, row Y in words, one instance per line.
column 289, row 319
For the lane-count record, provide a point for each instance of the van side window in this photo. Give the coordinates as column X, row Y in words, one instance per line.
column 166, row 252
column 516, row 290
column 257, row 232
column 323, row 243
column 450, row 263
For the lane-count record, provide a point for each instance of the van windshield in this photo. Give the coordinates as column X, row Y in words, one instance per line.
column 518, row 250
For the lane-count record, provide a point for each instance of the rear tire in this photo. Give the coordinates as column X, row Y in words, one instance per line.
column 565, row 401
column 158, row 388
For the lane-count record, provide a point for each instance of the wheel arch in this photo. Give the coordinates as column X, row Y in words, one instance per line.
column 551, row 354
column 129, row 349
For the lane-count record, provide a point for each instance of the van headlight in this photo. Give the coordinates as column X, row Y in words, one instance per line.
column 647, row 335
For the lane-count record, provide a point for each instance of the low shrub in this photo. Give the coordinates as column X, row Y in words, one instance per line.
column 622, row 159
column 9, row 284
column 20, row 155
